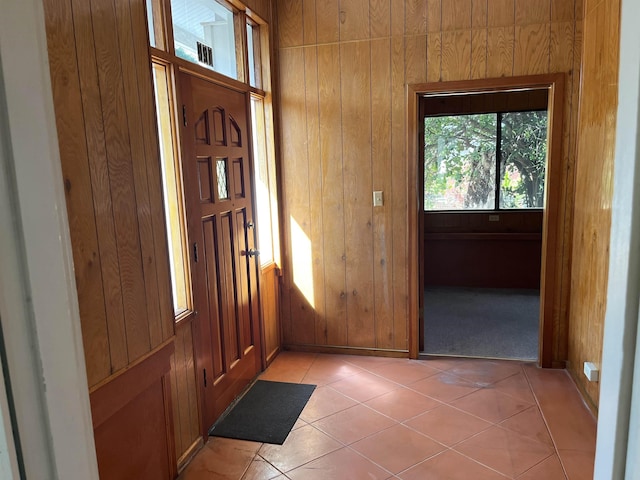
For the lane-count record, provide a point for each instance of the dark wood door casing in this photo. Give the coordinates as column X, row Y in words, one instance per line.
column 218, row 194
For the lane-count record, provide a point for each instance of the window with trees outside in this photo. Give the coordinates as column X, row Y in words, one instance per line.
column 487, row 161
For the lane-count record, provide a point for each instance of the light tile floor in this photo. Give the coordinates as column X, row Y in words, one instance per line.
column 440, row 419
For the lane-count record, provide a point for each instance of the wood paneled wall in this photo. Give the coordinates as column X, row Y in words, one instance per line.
column 102, row 86
column 105, row 116
column 184, row 394
column 594, row 188
column 344, row 67
column 261, row 7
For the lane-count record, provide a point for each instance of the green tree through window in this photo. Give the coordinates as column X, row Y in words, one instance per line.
column 462, row 161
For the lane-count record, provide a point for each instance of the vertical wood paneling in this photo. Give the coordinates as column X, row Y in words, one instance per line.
column 77, row 179
column 289, row 18
column 479, row 9
column 183, row 391
column 434, row 57
column 398, row 194
column 327, row 19
column 382, row 168
column 355, row 70
column 354, row 20
column 117, row 134
column 561, row 47
column 594, row 184
column 431, row 40
column 500, row 43
column 132, row 98
column 456, row 15
column 154, row 176
column 89, row 87
column 104, row 105
column 415, row 17
column 270, row 312
column 456, row 55
column 500, row 13
column 316, row 228
column 434, row 16
column 479, row 53
column 562, row 10
column 397, row 17
column 329, row 99
column 532, row 11
column 531, row 52
column 415, row 58
column 380, row 18
column 296, row 174
column 309, row 18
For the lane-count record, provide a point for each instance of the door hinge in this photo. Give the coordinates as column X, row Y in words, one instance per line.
column 184, row 115
column 195, row 252
column 204, row 371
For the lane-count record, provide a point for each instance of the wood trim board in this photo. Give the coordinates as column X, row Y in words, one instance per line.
column 551, row 238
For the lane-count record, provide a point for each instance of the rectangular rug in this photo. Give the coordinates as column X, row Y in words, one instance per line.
column 266, row 412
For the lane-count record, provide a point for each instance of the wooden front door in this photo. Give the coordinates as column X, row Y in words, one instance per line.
column 218, row 194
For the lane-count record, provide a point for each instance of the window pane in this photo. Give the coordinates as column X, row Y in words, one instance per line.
column 221, row 175
column 171, row 183
column 460, row 162
column 253, row 53
column 251, row 57
column 264, row 200
column 523, row 160
column 152, row 33
column 203, row 33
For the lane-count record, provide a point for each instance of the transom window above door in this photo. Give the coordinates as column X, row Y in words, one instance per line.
column 204, row 33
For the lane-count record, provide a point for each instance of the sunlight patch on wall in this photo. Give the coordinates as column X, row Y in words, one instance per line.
column 302, row 262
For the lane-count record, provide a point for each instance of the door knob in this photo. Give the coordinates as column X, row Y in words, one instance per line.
column 252, row 252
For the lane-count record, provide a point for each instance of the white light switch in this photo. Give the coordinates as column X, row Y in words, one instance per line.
column 377, row 199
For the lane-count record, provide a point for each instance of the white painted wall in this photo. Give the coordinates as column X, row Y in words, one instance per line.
column 38, row 303
column 619, row 410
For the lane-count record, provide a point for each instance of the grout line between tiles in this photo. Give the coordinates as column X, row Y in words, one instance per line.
column 546, row 422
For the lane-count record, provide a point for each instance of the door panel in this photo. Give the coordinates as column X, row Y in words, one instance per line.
column 217, row 171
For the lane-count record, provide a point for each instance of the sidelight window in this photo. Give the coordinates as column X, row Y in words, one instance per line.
column 172, row 187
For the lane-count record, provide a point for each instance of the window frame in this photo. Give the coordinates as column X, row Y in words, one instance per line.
column 498, row 160
column 178, row 186
column 164, row 52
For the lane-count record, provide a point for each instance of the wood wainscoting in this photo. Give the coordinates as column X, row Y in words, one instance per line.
column 133, row 421
column 499, row 249
column 270, row 305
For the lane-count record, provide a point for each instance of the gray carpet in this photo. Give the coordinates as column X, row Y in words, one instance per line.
column 481, row 322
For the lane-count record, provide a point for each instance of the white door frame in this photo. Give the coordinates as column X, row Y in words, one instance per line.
column 619, row 407
column 38, row 300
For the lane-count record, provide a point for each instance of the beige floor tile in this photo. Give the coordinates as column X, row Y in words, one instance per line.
column 397, row 448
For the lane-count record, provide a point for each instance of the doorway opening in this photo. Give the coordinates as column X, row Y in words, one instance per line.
column 484, row 191
column 483, row 163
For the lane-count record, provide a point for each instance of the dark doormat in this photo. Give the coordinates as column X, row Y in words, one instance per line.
column 266, row 413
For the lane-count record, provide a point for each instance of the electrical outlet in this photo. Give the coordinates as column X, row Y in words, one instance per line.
column 494, row 218
column 377, row 199
column 591, row 371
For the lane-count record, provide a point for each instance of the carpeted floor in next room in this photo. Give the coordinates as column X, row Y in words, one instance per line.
column 482, row 322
